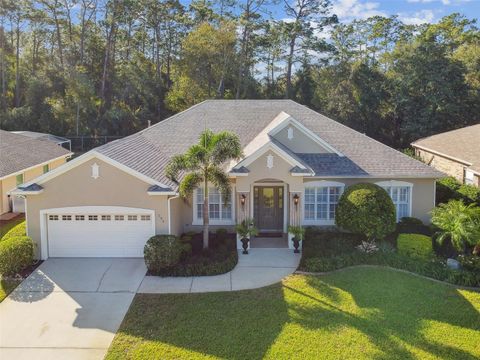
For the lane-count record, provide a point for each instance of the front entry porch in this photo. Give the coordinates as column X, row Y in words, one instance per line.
column 277, row 241
column 273, row 206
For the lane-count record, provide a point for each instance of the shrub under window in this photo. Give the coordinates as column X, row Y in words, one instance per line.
column 366, row 209
column 415, row 245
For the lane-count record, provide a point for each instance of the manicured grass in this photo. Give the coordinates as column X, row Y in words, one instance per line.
column 12, row 226
column 7, row 286
column 357, row 313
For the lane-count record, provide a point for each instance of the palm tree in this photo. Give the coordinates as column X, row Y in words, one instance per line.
column 458, row 222
column 202, row 164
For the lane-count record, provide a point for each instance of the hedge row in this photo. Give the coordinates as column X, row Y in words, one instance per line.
column 433, row 268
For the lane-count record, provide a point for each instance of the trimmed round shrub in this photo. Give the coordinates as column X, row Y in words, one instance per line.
column 415, row 245
column 16, row 254
column 161, row 252
column 366, row 209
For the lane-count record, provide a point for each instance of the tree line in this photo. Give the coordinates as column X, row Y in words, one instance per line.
column 109, row 67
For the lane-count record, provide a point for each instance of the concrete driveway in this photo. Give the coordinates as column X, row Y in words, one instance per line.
column 68, row 308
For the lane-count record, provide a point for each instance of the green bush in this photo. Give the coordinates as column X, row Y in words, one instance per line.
column 469, row 193
column 415, row 245
column 470, row 262
column 319, row 242
column 16, row 254
column 407, row 220
column 161, row 252
column 450, row 188
column 366, row 209
column 17, row 230
column 411, row 225
column 206, row 263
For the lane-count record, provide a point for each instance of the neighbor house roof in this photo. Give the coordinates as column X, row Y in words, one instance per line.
column 149, row 150
column 18, row 152
column 43, row 136
column 462, row 145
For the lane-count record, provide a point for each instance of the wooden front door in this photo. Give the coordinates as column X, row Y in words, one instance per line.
column 268, row 208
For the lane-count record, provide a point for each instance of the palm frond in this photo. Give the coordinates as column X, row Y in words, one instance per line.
column 220, row 180
column 189, row 183
column 225, row 146
column 177, row 164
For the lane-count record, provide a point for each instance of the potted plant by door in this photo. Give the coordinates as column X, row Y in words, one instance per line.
column 298, row 232
column 245, row 230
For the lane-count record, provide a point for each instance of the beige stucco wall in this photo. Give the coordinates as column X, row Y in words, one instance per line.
column 76, row 187
column 259, row 171
column 423, row 193
column 10, row 182
column 300, row 143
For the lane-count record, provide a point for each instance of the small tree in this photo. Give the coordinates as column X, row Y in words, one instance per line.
column 366, row 209
column 202, row 164
column 458, row 222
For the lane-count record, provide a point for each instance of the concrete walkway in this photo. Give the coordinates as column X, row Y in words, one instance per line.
column 68, row 308
column 261, row 267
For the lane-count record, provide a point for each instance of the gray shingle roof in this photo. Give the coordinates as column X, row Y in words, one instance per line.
column 18, row 152
column 462, row 144
column 149, row 150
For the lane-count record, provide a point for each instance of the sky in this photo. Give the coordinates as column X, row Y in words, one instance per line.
column 409, row 11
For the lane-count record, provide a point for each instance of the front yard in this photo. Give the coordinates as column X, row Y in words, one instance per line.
column 357, row 313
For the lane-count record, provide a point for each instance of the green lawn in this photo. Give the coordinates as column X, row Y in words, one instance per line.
column 358, row 313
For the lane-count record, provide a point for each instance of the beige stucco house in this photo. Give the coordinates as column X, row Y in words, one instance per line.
column 23, row 159
column 297, row 163
column 456, row 153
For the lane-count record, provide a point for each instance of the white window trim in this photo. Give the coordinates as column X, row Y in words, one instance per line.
column 224, row 222
column 396, row 183
column 315, row 184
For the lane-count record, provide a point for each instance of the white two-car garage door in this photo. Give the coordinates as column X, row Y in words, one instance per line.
column 98, row 232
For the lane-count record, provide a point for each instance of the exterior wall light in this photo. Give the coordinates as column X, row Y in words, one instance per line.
column 296, row 198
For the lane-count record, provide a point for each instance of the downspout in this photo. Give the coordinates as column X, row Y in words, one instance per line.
column 169, row 214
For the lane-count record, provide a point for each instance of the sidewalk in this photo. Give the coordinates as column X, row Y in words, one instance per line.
column 261, row 267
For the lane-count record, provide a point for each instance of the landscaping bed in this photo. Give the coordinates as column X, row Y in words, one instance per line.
column 327, row 251
column 361, row 313
column 221, row 256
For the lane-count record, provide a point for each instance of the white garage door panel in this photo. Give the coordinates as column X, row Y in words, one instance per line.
column 98, row 238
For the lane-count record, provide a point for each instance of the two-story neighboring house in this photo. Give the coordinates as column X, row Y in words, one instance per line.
column 456, row 153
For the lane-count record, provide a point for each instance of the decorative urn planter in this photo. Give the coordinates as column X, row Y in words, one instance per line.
column 245, row 245
column 296, row 245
